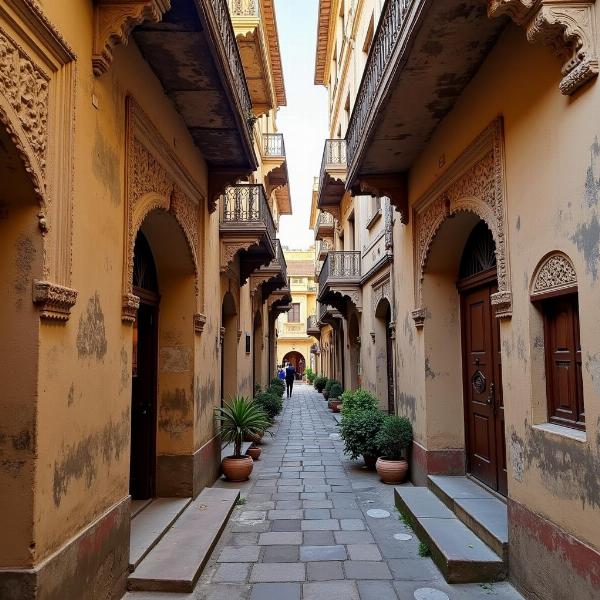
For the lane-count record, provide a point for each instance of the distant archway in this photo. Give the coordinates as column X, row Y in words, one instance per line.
column 384, row 356
column 354, row 354
column 229, row 347
column 297, row 360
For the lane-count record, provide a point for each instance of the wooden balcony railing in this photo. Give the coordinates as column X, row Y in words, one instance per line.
column 246, row 204
column 273, row 144
column 386, row 37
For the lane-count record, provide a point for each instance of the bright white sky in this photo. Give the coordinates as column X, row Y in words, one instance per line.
column 304, row 120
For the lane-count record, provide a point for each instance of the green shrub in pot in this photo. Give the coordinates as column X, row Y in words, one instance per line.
column 319, row 383
column 359, row 430
column 394, row 439
column 335, row 392
column 270, row 402
column 358, row 400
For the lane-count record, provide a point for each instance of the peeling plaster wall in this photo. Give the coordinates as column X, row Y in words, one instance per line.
column 552, row 190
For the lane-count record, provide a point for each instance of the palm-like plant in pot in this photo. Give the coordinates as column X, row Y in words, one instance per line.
column 238, row 418
column 393, row 440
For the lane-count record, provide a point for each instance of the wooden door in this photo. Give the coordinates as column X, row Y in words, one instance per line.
column 143, row 403
column 484, row 407
column 389, row 355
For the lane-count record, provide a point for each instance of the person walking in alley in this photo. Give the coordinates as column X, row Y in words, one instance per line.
column 290, row 375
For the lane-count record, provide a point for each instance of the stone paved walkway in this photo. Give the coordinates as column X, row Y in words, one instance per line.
column 306, row 532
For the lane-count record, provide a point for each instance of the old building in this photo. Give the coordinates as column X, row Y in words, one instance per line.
column 294, row 344
column 476, row 122
column 142, row 182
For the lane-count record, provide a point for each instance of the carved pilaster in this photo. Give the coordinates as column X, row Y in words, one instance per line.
column 114, row 21
column 129, row 308
column 566, row 27
column 54, row 301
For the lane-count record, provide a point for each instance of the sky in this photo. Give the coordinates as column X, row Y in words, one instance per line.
column 303, row 121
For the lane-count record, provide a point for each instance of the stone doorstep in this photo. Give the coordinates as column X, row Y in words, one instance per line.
column 151, row 524
column 480, row 510
column 175, row 563
column 461, row 556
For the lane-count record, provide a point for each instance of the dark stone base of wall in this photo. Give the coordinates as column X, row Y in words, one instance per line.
column 94, row 565
column 545, row 562
column 186, row 475
column 425, row 462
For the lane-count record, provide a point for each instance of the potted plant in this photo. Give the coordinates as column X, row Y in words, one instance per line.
column 358, row 400
column 359, row 430
column 320, row 383
column 393, row 439
column 327, row 391
column 238, row 418
column 334, row 397
column 254, row 452
column 270, row 402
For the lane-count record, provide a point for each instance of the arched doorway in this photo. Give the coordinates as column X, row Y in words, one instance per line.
column 482, row 363
column 354, row 352
column 229, row 347
column 297, row 360
column 142, row 470
column 257, row 347
column 21, row 261
column 384, row 356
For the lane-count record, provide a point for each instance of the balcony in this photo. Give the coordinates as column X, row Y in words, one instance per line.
column 280, row 301
column 255, row 26
column 406, row 89
column 276, row 172
column 324, row 226
column 339, row 280
column 193, row 53
column 273, row 277
column 323, row 249
column 328, row 315
column 246, row 229
column 312, row 328
column 332, row 179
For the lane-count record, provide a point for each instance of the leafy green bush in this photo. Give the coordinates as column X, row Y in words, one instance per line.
column 394, row 437
column 319, row 383
column 358, row 400
column 276, row 389
column 335, row 392
column 271, row 403
column 359, row 430
column 256, row 388
column 310, row 375
column 331, row 382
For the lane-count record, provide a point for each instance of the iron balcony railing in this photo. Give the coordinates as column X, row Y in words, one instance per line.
column 334, row 155
column 280, row 258
column 247, row 204
column 311, row 323
column 324, row 219
column 273, row 144
column 340, row 265
column 244, row 8
column 223, row 20
column 323, row 248
column 322, row 310
column 386, row 37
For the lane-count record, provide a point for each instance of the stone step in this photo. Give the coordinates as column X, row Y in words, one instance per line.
column 175, row 563
column 150, row 524
column 137, row 506
column 460, row 555
column 482, row 512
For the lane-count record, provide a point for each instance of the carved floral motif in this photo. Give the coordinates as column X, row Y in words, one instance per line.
column 54, row 301
column 129, row 307
column 556, row 272
column 199, row 323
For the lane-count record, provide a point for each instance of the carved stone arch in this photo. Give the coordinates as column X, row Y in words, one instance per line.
column 554, row 274
column 473, row 183
column 382, row 291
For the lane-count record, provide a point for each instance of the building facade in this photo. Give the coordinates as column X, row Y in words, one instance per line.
column 475, row 121
column 294, row 344
column 130, row 272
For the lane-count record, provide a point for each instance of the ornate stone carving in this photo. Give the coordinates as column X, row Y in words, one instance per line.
column 25, row 87
column 54, row 301
column 554, row 273
column 129, row 308
column 394, row 187
column 382, row 290
column 199, row 322
column 388, row 220
column 566, row 27
column 230, row 249
column 474, row 183
column 148, row 175
column 114, row 20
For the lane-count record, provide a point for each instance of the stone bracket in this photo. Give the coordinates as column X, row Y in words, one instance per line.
column 393, row 186
column 199, row 322
column 114, row 20
column 129, row 308
column 502, row 302
column 229, row 249
column 218, row 180
column 566, row 27
column 54, row 301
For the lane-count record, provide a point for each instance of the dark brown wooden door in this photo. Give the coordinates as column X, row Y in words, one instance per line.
column 389, row 352
column 484, row 407
column 143, row 404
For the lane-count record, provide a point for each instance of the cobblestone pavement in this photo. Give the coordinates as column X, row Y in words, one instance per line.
column 316, row 526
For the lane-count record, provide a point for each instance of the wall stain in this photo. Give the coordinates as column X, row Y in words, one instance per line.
column 522, row 354
column 174, row 413
column 408, row 406
column 24, row 257
column 429, row 372
column 587, row 240
column 71, row 396
column 124, row 380
column 91, row 335
column 204, row 399
column 12, row 467
column 105, row 165
column 81, row 459
column 592, row 366
column 409, row 330
column 519, row 223
column 176, row 359
column 22, row 441
column 568, row 469
column 592, row 183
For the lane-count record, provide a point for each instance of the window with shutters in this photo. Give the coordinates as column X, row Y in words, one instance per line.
column 564, row 385
column 294, row 313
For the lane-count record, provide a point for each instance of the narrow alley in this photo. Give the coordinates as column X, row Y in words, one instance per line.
column 313, row 525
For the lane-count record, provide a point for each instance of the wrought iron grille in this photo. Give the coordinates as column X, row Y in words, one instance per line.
column 334, row 155
column 385, row 40
column 223, row 19
column 244, row 8
column 247, row 203
column 322, row 310
column 311, row 323
column 324, row 219
column 280, row 258
column 340, row 265
column 273, row 144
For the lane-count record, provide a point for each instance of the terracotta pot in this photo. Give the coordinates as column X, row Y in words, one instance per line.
column 254, row 438
column 370, row 461
column 391, row 471
column 335, row 405
column 254, row 452
column 325, row 394
column 237, row 469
